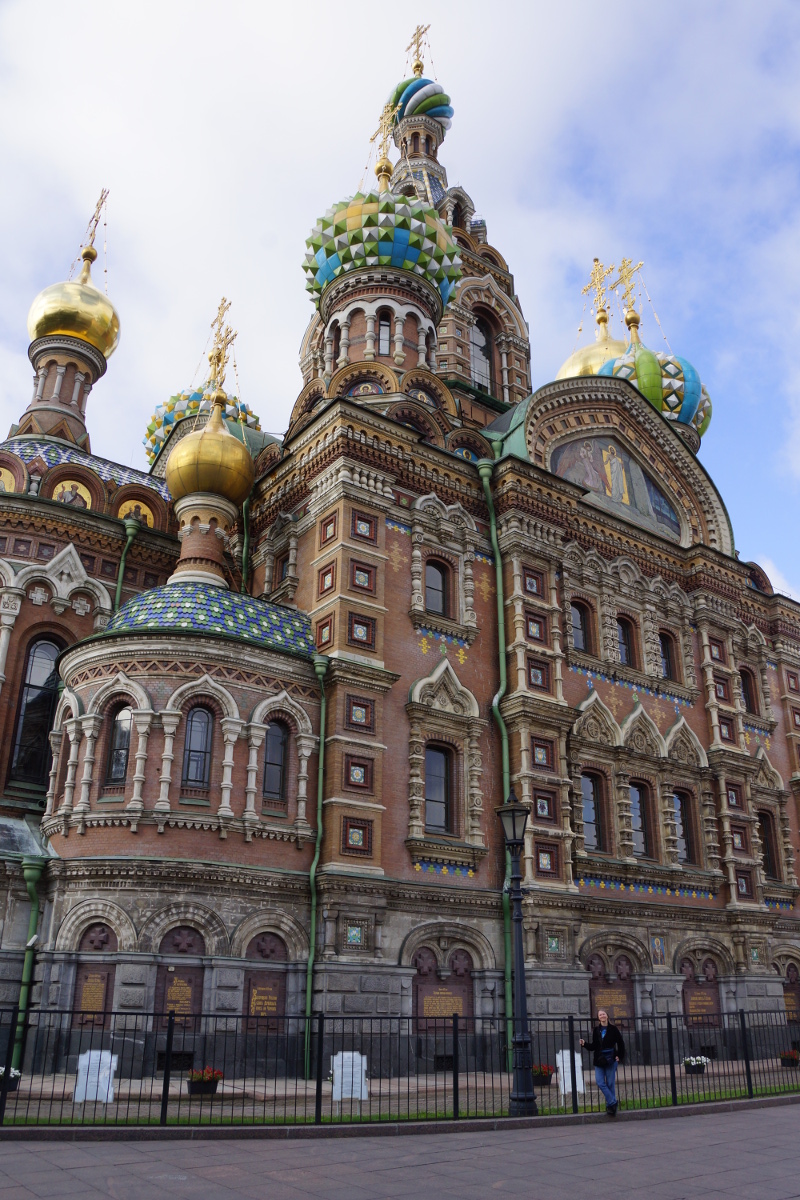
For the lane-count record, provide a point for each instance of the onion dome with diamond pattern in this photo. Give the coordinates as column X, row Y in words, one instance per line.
column 186, row 404
column 380, row 229
column 420, row 97
column 669, row 382
column 76, row 308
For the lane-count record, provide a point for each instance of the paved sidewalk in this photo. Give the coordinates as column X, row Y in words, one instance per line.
column 747, row 1155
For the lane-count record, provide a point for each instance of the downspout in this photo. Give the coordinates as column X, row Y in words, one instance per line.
column 32, row 872
column 320, row 667
column 131, row 529
column 245, row 545
column 485, row 469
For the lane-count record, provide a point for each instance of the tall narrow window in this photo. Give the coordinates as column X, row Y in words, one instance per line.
column 30, row 761
column 580, row 627
column 667, row 656
column 625, row 642
column 436, row 589
column 683, row 827
column 766, row 831
column 639, row 814
column 591, row 788
column 275, row 762
column 415, row 143
column 384, row 334
column 197, row 748
column 337, row 343
column 438, row 806
column 119, row 747
column 748, row 691
column 480, row 353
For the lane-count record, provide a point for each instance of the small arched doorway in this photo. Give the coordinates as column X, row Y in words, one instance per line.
column 93, row 997
column 179, row 983
column 265, row 980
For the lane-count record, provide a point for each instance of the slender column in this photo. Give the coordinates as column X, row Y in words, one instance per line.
column 231, row 729
column 60, row 372
column 344, row 345
column 727, row 839
column 399, row 355
column 56, row 738
column 6, row 625
column 416, row 788
column 169, row 722
column 73, row 728
column 625, row 824
column 708, row 679
column 421, row 354
column 470, row 617
column 305, row 744
column 79, row 378
column 668, row 819
column 41, row 382
column 504, row 372
column 255, row 739
column 142, row 721
column 328, row 369
column 87, row 387
column 91, row 728
column 369, row 353
column 555, row 638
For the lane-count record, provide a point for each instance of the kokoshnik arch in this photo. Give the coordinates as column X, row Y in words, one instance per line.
column 173, row 639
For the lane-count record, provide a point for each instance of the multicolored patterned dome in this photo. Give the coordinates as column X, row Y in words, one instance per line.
column 380, row 229
column 186, row 404
column 421, row 97
column 670, row 383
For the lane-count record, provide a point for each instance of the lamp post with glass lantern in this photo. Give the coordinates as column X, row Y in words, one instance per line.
column 514, row 816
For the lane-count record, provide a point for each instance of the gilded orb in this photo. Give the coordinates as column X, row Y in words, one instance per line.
column 589, row 359
column 76, row 308
column 211, row 460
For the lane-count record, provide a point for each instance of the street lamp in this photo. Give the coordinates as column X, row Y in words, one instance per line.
column 514, row 816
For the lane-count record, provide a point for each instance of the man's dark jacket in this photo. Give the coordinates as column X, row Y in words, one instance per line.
column 612, row 1041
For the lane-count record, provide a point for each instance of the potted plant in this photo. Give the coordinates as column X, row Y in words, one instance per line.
column 14, row 1077
column 542, row 1074
column 695, row 1064
column 790, row 1058
column 204, row 1082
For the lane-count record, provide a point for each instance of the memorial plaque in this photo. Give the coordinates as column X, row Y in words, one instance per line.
column 94, row 989
column 615, row 998
column 179, row 991
column 264, row 997
column 436, row 998
column 701, row 1003
column 442, row 1003
column 791, row 998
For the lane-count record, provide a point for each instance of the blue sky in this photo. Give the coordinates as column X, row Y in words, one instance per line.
column 667, row 132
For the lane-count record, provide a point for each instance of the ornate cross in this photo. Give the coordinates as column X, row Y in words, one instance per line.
column 626, row 274
column 416, row 45
column 95, row 221
column 224, row 338
column 596, row 284
column 384, row 131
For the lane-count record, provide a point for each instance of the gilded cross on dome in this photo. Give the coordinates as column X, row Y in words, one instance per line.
column 416, row 45
column 596, row 284
column 224, row 338
column 384, row 131
column 95, row 221
column 627, row 272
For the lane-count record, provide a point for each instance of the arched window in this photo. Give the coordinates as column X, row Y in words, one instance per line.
column 119, row 747
column 684, row 828
column 337, row 343
column 428, row 145
column 640, row 821
column 384, row 334
column 625, row 641
column 748, row 691
column 197, row 748
column 592, row 794
column 668, row 658
column 438, row 790
column 436, row 588
column 579, row 616
column 415, row 143
column 766, row 831
column 30, row 762
column 275, row 747
column 480, row 354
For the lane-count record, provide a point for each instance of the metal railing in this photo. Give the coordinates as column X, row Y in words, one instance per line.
column 364, row 1068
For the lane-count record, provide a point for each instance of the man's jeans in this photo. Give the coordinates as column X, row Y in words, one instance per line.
column 606, row 1077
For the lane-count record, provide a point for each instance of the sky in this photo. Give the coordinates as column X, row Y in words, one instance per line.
column 667, row 132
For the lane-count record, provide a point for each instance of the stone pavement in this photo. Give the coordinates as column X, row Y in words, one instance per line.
column 744, row 1155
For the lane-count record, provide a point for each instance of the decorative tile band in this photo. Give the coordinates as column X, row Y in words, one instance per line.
column 398, row 526
column 484, row 558
column 650, row 889
column 635, row 688
column 432, row 868
column 783, row 905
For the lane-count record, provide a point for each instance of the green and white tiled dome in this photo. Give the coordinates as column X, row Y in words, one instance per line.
column 671, row 384
column 186, row 404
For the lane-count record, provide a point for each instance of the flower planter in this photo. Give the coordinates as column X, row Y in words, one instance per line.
column 202, row 1087
column 791, row 1063
column 13, row 1084
column 694, row 1068
column 542, row 1078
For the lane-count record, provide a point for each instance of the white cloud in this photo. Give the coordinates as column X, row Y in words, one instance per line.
column 778, row 580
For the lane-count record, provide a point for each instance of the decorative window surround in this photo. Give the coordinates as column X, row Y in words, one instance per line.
column 447, row 532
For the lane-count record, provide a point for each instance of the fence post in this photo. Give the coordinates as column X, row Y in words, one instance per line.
column 671, row 1047
column 456, row 1113
column 573, row 1073
column 167, row 1067
column 318, row 1093
column 9, row 1057
column 746, row 1052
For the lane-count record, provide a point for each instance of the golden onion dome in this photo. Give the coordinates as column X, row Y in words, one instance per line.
column 211, row 460
column 589, row 359
column 76, row 308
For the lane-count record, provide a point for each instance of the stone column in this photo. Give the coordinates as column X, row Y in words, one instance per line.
column 60, row 372
column 73, row 728
column 255, row 739
column 56, row 738
column 710, row 826
column 504, row 373
column 231, row 728
column 555, row 641
column 399, row 354
column 474, row 793
column 10, row 604
column 421, row 355
column 417, row 594
column 40, row 384
column 668, row 821
column 416, row 787
column 624, row 821
column 470, row 617
column 727, row 839
column 79, row 378
column 142, row 720
column 87, row 387
column 91, row 729
column 328, row 368
column 708, row 679
column 344, row 344
column 305, row 744
column 369, row 352
column 169, row 722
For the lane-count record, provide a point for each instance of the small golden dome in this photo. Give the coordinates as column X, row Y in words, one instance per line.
column 76, row 308
column 211, row 460
column 589, row 359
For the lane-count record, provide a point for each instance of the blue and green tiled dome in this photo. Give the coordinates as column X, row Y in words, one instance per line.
column 186, row 404
column 421, row 97
column 670, row 383
column 202, row 608
column 380, row 229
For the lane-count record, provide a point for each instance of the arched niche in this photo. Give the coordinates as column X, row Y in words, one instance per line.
column 265, row 980
column 180, row 979
column 93, row 997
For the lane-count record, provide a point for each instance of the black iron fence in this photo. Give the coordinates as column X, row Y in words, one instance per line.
column 68, row 1068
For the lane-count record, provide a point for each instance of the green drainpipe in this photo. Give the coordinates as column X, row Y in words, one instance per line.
column 245, row 545
column 132, row 527
column 485, row 469
column 320, row 667
column 32, row 872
